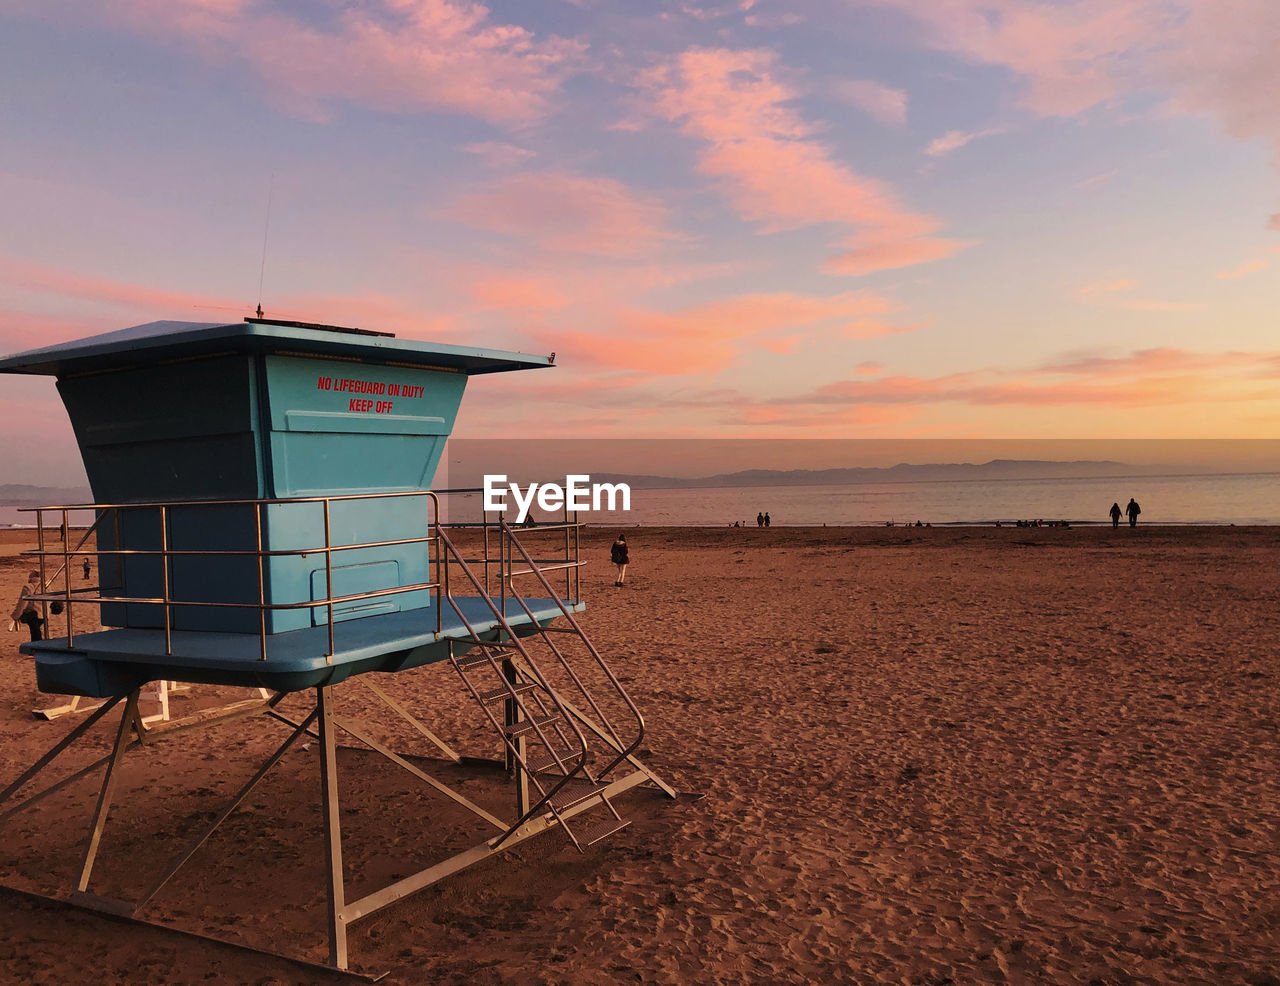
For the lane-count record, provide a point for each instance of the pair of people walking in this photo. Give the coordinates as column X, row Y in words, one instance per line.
column 1132, row 510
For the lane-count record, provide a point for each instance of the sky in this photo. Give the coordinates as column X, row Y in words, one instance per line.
column 747, row 219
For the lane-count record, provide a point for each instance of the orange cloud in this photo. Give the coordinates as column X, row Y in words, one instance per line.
column 428, row 55
column 765, row 158
column 1146, row 361
column 1104, row 292
column 567, row 213
column 707, row 337
column 1244, row 270
column 1148, row 378
column 1107, row 287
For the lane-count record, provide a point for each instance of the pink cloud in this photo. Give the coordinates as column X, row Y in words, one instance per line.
column 62, row 283
column 877, row 100
column 139, row 302
column 518, row 294
column 953, row 140
column 1070, row 54
column 499, row 154
column 708, row 337
column 567, row 213
column 391, row 55
column 765, row 159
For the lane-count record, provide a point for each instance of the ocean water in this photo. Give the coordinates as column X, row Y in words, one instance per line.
column 1216, row 499
column 1242, row 499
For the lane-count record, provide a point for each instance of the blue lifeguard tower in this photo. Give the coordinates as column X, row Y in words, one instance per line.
column 264, row 517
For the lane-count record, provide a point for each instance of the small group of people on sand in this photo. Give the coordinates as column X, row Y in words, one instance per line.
column 1132, row 510
column 762, row 520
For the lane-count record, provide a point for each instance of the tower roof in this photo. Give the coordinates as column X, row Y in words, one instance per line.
column 155, row 342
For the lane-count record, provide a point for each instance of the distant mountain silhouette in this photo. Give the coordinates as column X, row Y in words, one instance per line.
column 20, row 495
column 903, row 472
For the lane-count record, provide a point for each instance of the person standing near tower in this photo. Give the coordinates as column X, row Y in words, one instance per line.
column 25, row 611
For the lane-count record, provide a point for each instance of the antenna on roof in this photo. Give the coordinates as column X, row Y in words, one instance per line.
column 262, row 271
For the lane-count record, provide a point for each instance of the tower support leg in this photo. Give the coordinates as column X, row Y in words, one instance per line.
column 127, row 720
column 332, row 829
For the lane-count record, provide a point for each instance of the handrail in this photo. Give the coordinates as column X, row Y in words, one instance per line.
column 545, row 800
column 613, row 679
column 166, row 554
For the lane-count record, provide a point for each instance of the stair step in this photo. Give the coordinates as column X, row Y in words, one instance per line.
column 543, row 760
column 502, row 694
column 601, row 828
column 528, row 725
column 481, row 659
column 576, row 792
column 469, row 661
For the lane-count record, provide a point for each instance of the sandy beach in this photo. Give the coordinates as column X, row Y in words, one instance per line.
column 927, row 756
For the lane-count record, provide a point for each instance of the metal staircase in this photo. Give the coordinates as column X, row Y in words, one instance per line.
column 544, row 735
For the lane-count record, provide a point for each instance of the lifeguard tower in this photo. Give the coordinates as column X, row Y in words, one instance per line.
column 264, row 517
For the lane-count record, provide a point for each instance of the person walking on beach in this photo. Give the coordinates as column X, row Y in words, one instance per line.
column 25, row 611
column 1133, row 510
column 766, row 518
column 1115, row 515
column 759, row 520
column 619, row 555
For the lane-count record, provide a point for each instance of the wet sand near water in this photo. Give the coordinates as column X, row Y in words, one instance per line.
column 928, row 756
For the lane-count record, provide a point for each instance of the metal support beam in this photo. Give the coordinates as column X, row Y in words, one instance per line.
column 332, row 829
column 443, row 788
column 127, row 720
column 222, row 816
column 410, row 718
column 477, row 854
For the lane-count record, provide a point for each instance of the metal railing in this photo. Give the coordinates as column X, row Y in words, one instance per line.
column 114, row 594
column 111, row 519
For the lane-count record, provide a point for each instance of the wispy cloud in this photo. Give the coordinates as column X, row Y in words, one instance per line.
column 498, row 154
column 1098, row 180
column 772, row 168
column 1070, row 54
column 953, row 140
column 428, row 55
column 1115, row 293
column 879, row 101
column 568, row 213
column 1244, row 270
column 709, row 337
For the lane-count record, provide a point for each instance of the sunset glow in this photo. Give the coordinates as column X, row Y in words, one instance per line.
column 728, row 219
